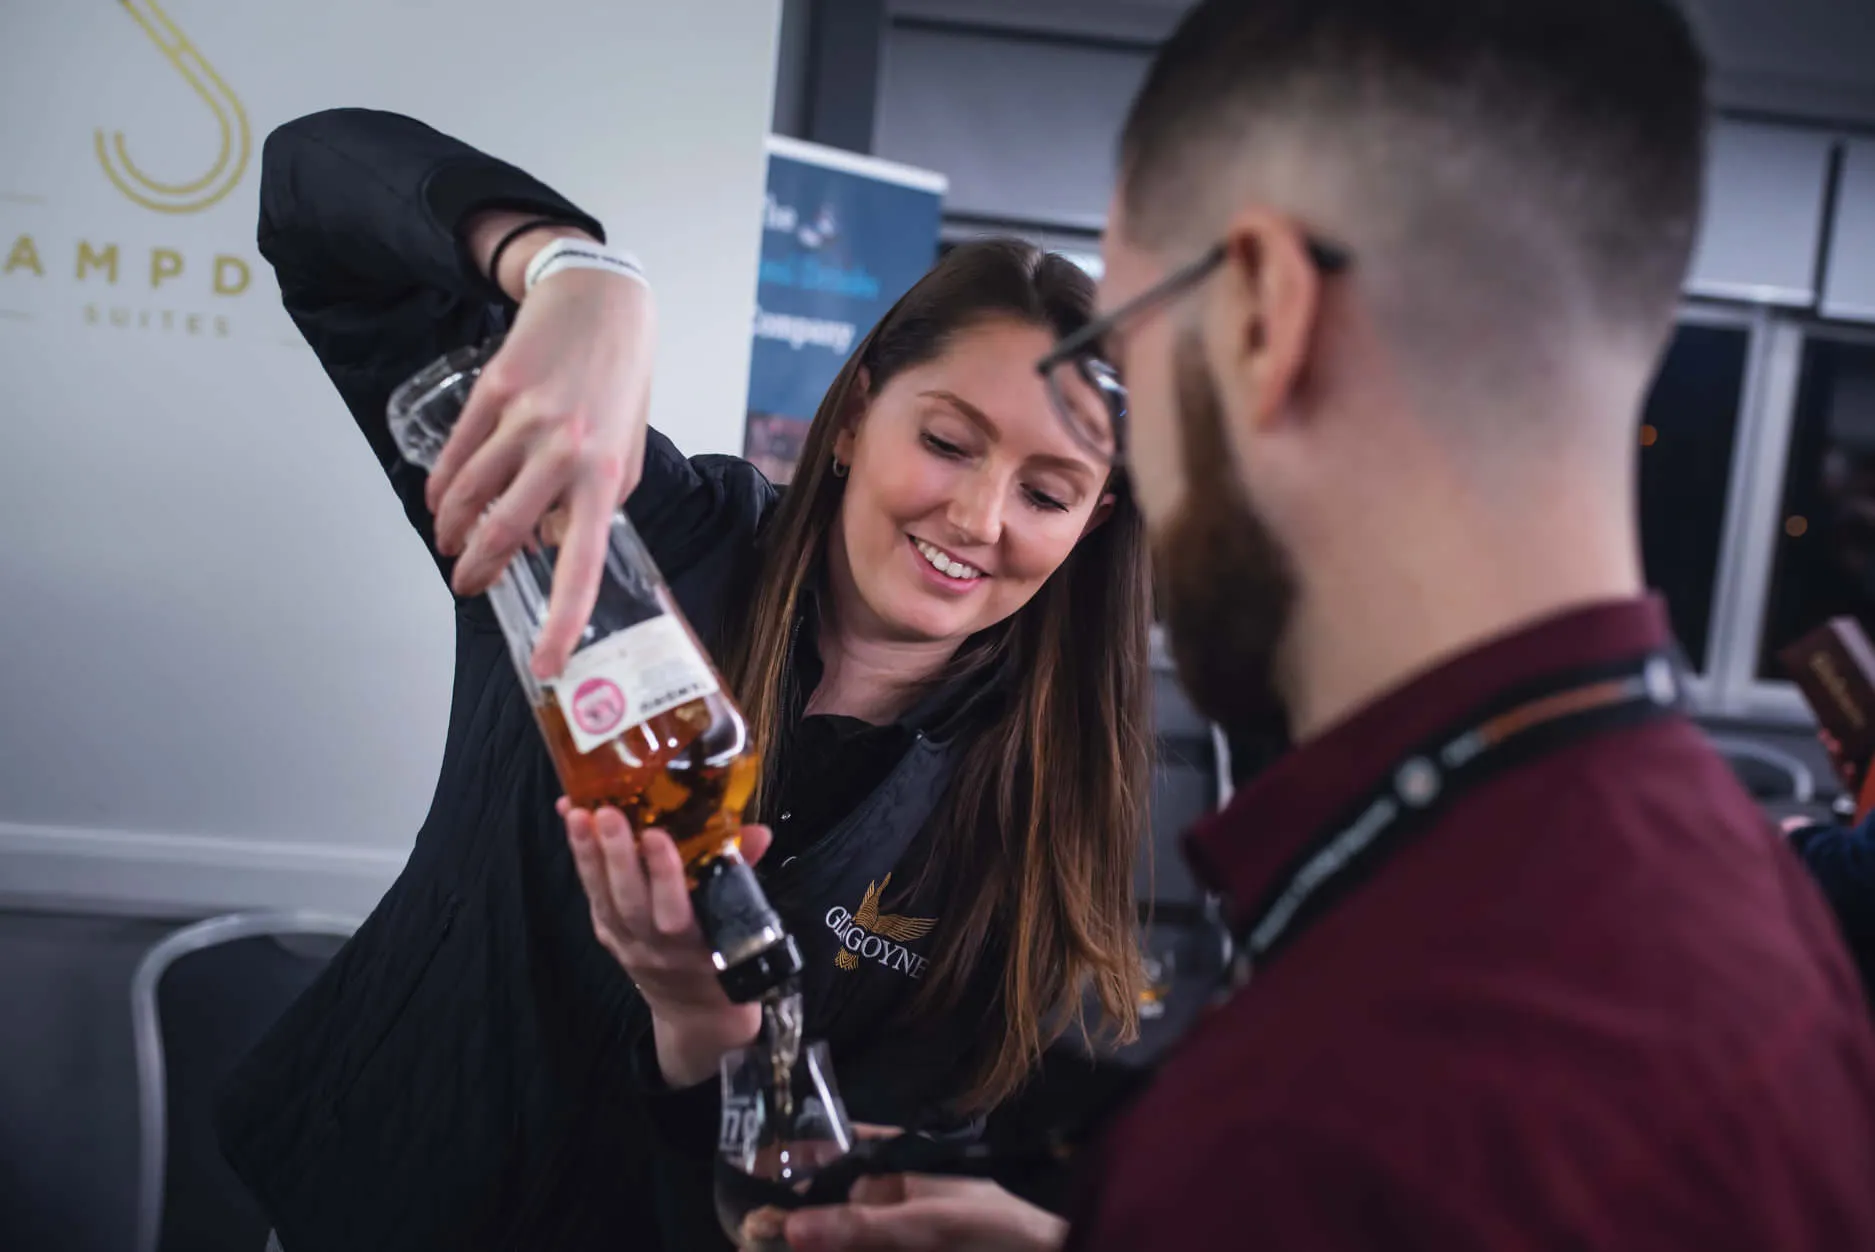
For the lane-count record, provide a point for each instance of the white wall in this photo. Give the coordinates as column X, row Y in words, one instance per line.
column 224, row 660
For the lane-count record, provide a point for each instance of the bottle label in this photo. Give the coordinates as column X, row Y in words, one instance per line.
column 630, row 677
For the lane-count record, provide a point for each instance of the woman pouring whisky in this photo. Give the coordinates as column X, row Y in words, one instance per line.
column 522, row 1035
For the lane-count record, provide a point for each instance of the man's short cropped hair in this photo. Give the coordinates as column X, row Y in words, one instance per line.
column 1537, row 148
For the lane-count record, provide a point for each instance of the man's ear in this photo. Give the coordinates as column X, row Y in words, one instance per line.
column 1260, row 319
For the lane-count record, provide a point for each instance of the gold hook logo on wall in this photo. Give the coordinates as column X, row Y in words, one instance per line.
column 230, row 163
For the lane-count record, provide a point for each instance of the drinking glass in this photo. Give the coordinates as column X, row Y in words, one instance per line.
column 777, row 1131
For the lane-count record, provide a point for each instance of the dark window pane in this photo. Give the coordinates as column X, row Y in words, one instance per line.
column 1687, row 432
column 1826, row 527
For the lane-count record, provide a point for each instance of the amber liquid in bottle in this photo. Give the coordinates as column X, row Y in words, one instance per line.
column 653, row 774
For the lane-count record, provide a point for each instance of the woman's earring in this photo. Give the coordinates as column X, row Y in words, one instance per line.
column 839, row 468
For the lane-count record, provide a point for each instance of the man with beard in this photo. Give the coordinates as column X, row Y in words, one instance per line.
column 1519, row 964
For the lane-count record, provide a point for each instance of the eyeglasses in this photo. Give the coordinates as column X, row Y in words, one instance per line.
column 1085, row 389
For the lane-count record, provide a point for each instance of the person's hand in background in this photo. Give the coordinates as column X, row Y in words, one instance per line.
column 641, row 913
column 916, row 1213
column 556, row 422
column 1843, row 769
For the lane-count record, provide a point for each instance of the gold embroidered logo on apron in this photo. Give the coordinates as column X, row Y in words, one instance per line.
column 870, row 935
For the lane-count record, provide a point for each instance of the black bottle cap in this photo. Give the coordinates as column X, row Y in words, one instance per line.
column 776, row 964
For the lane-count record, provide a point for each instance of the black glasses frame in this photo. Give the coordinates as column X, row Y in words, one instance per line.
column 1083, row 346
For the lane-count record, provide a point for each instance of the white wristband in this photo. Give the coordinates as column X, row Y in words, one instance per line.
column 568, row 253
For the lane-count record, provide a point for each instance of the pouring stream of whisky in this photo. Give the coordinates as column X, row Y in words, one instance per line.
column 782, row 1023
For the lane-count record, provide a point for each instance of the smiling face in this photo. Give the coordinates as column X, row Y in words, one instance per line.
column 965, row 492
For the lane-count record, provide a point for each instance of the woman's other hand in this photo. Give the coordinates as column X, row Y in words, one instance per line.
column 641, row 913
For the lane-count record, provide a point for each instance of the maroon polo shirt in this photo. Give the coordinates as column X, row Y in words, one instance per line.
column 1594, row 1004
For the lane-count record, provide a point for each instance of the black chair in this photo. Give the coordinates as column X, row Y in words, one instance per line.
column 199, row 1001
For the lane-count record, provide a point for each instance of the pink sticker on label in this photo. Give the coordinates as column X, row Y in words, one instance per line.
column 628, row 678
column 598, row 705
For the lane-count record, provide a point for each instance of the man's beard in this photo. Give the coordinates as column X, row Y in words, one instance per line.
column 1227, row 584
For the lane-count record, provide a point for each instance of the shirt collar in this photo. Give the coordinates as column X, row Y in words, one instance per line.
column 1240, row 850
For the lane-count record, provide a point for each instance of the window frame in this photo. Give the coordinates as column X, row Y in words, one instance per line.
column 1748, row 555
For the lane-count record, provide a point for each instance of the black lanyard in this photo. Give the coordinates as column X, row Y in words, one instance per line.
column 1527, row 721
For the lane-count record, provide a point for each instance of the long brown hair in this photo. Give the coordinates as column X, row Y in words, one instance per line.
column 1043, row 816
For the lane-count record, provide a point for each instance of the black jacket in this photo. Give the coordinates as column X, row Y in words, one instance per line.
column 462, row 1076
column 1842, row 860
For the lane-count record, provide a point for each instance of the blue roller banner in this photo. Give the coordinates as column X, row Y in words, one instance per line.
column 843, row 237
